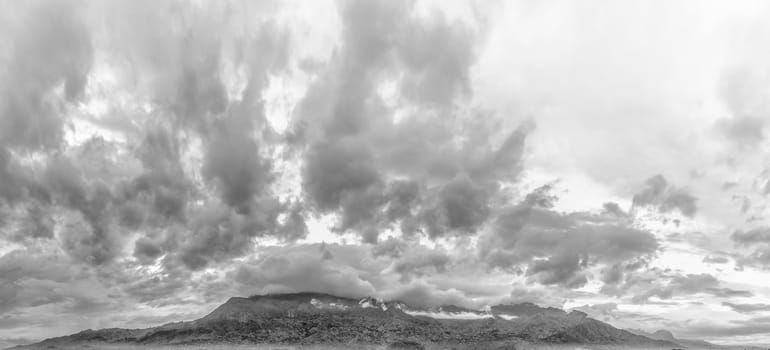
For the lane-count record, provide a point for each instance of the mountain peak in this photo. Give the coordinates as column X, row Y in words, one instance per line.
column 664, row 334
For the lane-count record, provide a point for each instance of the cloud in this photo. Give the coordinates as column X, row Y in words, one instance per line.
column 659, row 193
column 561, row 269
column 613, row 274
column 559, row 247
column 233, row 162
column 422, row 294
column 181, row 167
column 759, row 238
column 747, row 308
column 752, row 326
column 219, row 233
column 715, row 259
column 146, row 250
column 156, row 184
column 339, row 173
column 14, row 182
column 296, row 270
column 744, row 131
column 751, row 237
column 31, row 278
column 409, row 160
column 98, row 242
column 163, row 178
column 421, row 261
column 741, row 90
column 156, row 290
column 653, row 285
column 760, row 257
column 52, row 47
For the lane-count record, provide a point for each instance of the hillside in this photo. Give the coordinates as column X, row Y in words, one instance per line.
column 313, row 318
column 685, row 343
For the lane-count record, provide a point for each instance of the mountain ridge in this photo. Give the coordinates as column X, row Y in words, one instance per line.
column 663, row 334
column 318, row 318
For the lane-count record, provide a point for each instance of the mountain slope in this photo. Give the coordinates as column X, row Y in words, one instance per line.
column 313, row 318
column 686, row 343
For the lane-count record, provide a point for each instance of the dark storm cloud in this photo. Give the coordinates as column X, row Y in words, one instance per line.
column 234, row 155
column 366, row 174
column 564, row 269
column 462, row 206
column 104, row 191
column 430, row 171
column 658, row 193
column 217, row 233
column 77, row 182
column 146, row 250
column 336, row 172
column 177, row 56
column 558, row 247
column 233, row 162
column 163, row 180
column 96, row 242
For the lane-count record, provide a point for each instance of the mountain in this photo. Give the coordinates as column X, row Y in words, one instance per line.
column 314, row 318
column 684, row 343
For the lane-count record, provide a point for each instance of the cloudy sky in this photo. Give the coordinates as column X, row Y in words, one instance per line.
column 159, row 157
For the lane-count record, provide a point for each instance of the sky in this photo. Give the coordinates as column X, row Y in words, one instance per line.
column 159, row 157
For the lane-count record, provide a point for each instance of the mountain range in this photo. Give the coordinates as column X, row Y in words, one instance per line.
column 315, row 318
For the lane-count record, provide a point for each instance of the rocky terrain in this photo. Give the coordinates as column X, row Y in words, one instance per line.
column 312, row 318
